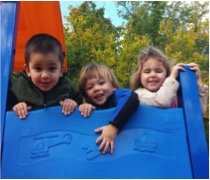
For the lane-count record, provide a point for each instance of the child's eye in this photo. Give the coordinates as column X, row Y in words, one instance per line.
column 52, row 69
column 159, row 70
column 89, row 87
column 146, row 71
column 102, row 81
column 38, row 69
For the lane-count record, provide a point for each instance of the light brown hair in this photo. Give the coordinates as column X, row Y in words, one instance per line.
column 96, row 71
column 145, row 54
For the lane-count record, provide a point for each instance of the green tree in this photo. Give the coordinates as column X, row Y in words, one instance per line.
column 143, row 16
column 129, row 49
column 90, row 37
column 179, row 28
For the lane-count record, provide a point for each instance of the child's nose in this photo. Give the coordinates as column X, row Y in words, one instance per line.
column 45, row 74
column 96, row 87
column 152, row 74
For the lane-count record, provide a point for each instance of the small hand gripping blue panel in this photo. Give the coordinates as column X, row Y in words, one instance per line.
column 48, row 144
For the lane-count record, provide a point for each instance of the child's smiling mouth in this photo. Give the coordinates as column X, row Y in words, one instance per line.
column 98, row 96
column 45, row 84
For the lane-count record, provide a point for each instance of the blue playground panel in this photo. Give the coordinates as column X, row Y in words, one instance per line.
column 155, row 143
column 8, row 33
column 152, row 145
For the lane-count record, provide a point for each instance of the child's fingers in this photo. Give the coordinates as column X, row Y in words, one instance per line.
column 104, row 146
column 86, row 112
column 68, row 109
column 86, row 109
column 21, row 110
column 99, row 139
column 175, row 70
column 180, row 66
column 194, row 68
column 193, row 64
column 112, row 147
column 29, row 107
column 68, row 106
column 98, row 130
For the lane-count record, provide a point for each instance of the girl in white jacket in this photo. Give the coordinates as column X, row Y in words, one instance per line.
column 155, row 82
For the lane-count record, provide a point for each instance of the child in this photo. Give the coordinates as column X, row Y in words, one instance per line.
column 42, row 83
column 100, row 88
column 156, row 84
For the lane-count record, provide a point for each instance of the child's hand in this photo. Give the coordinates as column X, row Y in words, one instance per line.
column 175, row 70
column 68, row 106
column 21, row 109
column 107, row 137
column 194, row 67
column 86, row 109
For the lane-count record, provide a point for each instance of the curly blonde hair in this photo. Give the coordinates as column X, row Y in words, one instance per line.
column 145, row 54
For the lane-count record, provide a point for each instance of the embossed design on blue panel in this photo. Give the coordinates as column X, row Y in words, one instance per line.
column 39, row 147
column 42, row 145
column 145, row 143
column 92, row 151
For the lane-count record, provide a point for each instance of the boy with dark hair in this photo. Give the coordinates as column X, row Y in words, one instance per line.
column 42, row 83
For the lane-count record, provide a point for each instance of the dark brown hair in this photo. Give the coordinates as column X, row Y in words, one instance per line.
column 43, row 43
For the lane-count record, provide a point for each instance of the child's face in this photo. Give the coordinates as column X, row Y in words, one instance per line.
column 44, row 70
column 153, row 74
column 98, row 90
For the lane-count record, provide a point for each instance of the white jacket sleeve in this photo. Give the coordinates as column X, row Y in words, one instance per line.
column 203, row 95
column 163, row 97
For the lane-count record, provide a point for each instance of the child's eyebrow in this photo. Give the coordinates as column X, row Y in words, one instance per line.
column 53, row 64
column 36, row 64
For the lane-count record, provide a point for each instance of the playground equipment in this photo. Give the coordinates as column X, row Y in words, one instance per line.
column 155, row 143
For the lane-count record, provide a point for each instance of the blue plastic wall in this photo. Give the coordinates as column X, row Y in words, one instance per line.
column 8, row 16
column 50, row 145
column 194, row 124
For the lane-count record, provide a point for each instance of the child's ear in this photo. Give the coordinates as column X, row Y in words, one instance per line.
column 114, row 88
column 27, row 70
column 62, row 71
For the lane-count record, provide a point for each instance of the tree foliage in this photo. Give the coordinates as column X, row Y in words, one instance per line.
column 179, row 28
column 90, row 37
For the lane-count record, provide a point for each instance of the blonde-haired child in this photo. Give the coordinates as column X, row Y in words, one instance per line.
column 155, row 82
column 99, row 86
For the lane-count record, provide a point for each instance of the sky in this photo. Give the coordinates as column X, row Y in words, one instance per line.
column 110, row 10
